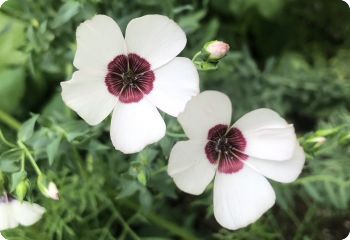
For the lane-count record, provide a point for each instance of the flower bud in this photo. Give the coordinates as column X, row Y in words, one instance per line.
column 216, row 50
column 48, row 189
column 22, row 189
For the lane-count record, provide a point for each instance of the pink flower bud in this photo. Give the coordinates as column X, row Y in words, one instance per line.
column 216, row 49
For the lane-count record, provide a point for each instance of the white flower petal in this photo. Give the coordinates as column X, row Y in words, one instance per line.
column 99, row 41
column 13, row 213
column 285, row 171
column 2, row 237
column 189, row 167
column 260, row 119
column 241, row 198
column 26, row 213
column 203, row 112
column 88, row 95
column 7, row 221
column 156, row 38
column 135, row 125
column 271, row 144
column 174, row 85
column 268, row 135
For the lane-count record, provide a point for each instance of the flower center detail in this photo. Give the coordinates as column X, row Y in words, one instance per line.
column 129, row 78
column 225, row 146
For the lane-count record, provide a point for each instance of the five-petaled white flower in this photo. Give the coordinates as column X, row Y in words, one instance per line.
column 14, row 213
column 131, row 77
column 259, row 144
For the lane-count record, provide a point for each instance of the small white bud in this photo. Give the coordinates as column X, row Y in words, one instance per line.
column 48, row 189
column 53, row 191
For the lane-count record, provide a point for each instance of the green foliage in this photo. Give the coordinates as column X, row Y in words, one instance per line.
column 292, row 56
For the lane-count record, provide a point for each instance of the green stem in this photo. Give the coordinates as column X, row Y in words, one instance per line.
column 162, row 222
column 196, row 55
column 78, row 161
column 126, row 226
column 23, row 162
column 30, row 157
column 5, row 141
column 9, row 120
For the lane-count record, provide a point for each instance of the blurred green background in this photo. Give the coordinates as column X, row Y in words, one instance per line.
column 289, row 55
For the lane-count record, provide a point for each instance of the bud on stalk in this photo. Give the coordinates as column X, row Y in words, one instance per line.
column 48, row 189
column 216, row 50
column 22, row 189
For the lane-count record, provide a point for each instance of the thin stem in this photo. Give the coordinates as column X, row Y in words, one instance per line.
column 23, row 162
column 123, row 222
column 30, row 157
column 78, row 160
column 162, row 222
column 196, row 55
column 5, row 141
column 9, row 120
column 126, row 225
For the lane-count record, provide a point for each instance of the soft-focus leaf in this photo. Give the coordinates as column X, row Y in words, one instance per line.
column 27, row 129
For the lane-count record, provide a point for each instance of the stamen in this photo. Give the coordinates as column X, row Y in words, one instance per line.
column 129, row 78
column 226, row 147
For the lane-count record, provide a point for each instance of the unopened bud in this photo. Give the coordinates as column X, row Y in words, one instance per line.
column 216, row 50
column 48, row 189
column 22, row 189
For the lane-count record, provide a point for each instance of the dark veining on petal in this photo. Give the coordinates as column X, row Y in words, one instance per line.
column 129, row 78
column 226, row 146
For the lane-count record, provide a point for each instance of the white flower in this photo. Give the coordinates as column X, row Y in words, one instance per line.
column 14, row 213
column 2, row 237
column 2, row 2
column 131, row 77
column 259, row 144
column 347, row 2
column 347, row 238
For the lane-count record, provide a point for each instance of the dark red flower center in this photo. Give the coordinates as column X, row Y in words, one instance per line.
column 129, row 78
column 226, row 146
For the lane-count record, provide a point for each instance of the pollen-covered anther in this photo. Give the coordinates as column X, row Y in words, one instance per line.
column 226, row 146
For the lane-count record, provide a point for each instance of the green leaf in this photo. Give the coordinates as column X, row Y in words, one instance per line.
column 27, row 129
column 16, row 178
column 145, row 199
column 12, row 36
column 128, row 189
column 10, row 160
column 75, row 129
column 52, row 149
column 65, row 13
column 12, row 85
